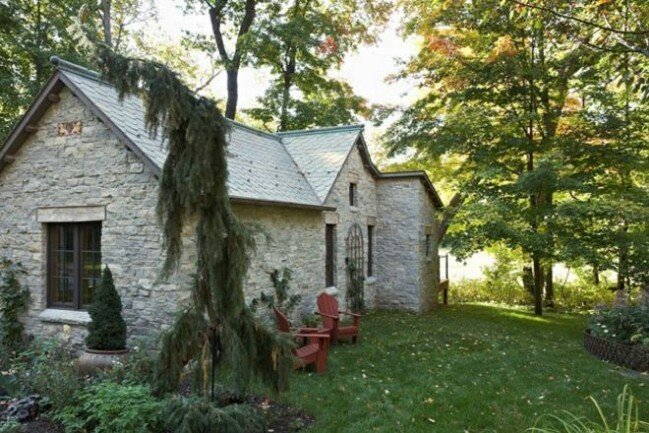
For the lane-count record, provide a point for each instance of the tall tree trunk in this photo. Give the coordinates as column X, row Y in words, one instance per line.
column 596, row 279
column 538, row 284
column 232, row 63
column 549, row 286
column 289, row 74
column 106, row 22
column 233, row 93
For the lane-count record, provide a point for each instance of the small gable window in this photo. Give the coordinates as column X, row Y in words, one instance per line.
column 74, row 264
column 428, row 239
column 353, row 194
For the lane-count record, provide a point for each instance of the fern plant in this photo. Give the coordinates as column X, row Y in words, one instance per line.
column 627, row 419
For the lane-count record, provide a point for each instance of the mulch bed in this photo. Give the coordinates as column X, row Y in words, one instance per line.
column 43, row 426
column 634, row 357
column 282, row 418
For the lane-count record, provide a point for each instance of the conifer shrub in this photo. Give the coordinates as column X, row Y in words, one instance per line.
column 199, row 415
column 107, row 330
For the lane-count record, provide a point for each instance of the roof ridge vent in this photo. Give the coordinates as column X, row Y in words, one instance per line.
column 73, row 67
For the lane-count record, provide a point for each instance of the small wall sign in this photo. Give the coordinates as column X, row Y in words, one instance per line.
column 70, row 128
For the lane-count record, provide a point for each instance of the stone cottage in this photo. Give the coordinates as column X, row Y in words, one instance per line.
column 78, row 189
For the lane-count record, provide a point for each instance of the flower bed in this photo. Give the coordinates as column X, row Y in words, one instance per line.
column 635, row 357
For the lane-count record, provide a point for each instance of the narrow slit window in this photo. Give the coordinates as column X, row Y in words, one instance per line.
column 353, row 194
column 330, row 255
column 370, row 251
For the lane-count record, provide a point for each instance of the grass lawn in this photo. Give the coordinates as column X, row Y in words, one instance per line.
column 462, row 369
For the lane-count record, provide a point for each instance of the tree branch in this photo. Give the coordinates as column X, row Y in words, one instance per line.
column 580, row 20
column 447, row 216
column 216, row 13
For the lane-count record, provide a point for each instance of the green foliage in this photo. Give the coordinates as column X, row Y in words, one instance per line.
column 107, row 330
column 627, row 419
column 355, row 295
column 217, row 326
column 282, row 299
column 12, row 426
column 13, row 302
column 303, row 42
column 547, row 137
column 628, row 325
column 30, row 33
column 197, row 415
column 137, row 368
column 108, row 407
column 48, row 368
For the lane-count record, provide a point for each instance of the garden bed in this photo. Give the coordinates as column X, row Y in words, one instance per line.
column 635, row 357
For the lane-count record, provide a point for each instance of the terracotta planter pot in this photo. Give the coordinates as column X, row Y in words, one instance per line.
column 634, row 357
column 94, row 360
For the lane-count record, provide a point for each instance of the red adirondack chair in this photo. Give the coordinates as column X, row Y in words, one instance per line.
column 315, row 344
column 328, row 309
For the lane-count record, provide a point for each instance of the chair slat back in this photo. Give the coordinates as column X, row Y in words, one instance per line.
column 327, row 304
column 282, row 321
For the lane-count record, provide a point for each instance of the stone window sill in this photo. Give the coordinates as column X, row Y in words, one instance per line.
column 354, row 209
column 66, row 317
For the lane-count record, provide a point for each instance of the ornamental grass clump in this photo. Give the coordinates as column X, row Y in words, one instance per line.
column 627, row 419
column 107, row 330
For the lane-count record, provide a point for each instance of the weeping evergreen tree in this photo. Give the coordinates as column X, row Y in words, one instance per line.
column 216, row 327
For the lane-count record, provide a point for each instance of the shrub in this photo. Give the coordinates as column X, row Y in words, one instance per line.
column 12, row 426
column 47, row 368
column 13, row 302
column 108, row 407
column 628, row 325
column 199, row 415
column 626, row 421
column 137, row 368
column 107, row 330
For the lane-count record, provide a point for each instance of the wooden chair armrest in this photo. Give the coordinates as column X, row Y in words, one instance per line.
column 319, row 336
column 349, row 313
column 327, row 315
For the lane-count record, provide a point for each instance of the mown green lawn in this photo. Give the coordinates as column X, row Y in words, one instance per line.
column 461, row 369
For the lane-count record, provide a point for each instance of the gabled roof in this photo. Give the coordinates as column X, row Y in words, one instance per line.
column 297, row 168
column 321, row 153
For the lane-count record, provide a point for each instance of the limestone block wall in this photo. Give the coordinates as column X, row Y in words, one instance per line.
column 428, row 264
column 364, row 214
column 398, row 243
column 89, row 169
column 289, row 237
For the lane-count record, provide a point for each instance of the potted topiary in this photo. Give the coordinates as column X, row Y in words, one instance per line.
column 106, row 340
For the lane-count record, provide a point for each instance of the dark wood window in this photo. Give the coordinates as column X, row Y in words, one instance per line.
column 74, row 264
column 370, row 251
column 330, row 255
column 428, row 239
column 353, row 199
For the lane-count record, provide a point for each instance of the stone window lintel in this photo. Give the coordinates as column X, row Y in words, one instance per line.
column 71, row 214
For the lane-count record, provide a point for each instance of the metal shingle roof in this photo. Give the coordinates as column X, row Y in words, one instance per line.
column 259, row 166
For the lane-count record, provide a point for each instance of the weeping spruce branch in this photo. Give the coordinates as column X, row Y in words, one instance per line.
column 216, row 327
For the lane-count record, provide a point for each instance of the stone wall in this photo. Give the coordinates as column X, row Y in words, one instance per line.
column 89, row 169
column 364, row 214
column 398, row 244
column 428, row 264
column 288, row 237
